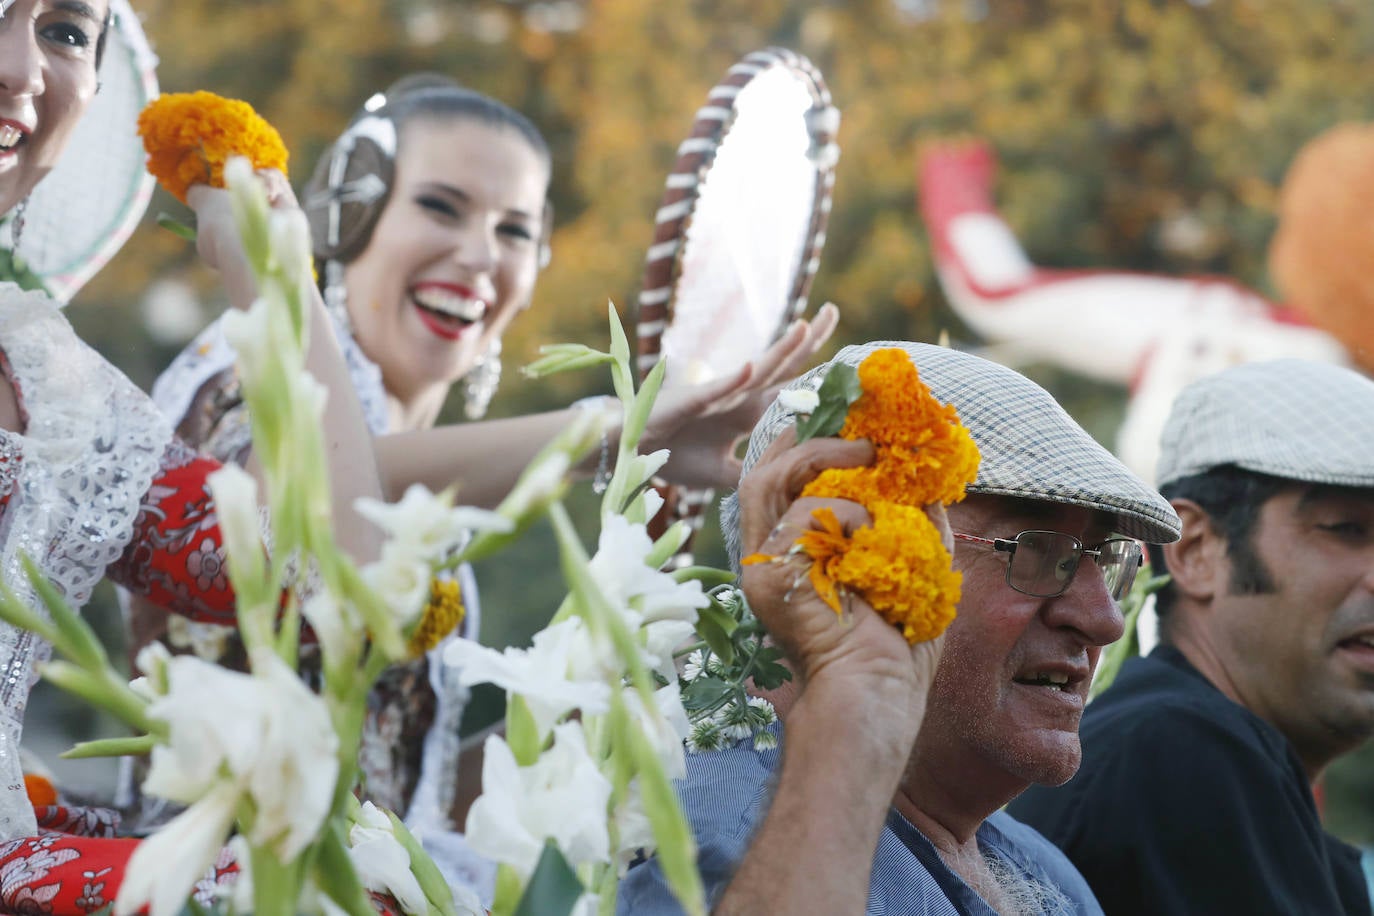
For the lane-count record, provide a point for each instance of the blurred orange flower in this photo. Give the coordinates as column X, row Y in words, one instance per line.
column 190, row 135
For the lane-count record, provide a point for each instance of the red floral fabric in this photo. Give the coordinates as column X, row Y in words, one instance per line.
column 175, row 559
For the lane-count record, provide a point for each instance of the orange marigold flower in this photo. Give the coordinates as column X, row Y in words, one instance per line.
column 442, row 615
column 190, row 135
column 40, row 790
column 899, row 564
column 924, row 455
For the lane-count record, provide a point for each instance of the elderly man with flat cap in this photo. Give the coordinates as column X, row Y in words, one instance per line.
column 1195, row 792
column 884, row 793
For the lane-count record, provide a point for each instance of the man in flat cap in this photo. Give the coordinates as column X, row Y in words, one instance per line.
column 884, row 793
column 1195, row 792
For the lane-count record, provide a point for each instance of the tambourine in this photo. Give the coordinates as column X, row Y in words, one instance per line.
column 739, row 229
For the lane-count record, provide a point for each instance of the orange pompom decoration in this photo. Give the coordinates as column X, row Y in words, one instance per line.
column 1319, row 257
column 924, row 455
column 190, row 135
column 40, row 790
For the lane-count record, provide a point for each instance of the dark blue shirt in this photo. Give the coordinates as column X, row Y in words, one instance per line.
column 1188, row 803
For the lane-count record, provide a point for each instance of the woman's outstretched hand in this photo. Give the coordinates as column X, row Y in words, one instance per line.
column 702, row 423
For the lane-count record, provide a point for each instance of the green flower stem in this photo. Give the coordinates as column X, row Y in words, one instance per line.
column 334, row 872
column 111, row 747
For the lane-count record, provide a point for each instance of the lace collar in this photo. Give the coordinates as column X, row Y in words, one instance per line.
column 91, row 448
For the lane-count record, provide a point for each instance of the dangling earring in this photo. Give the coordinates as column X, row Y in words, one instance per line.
column 481, row 381
column 17, row 225
column 336, row 295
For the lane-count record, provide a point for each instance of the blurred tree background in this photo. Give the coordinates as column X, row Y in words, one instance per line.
column 1141, row 134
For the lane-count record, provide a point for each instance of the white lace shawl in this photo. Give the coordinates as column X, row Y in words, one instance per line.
column 91, row 447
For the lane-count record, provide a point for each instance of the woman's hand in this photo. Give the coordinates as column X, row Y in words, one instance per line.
column 702, row 423
column 217, row 237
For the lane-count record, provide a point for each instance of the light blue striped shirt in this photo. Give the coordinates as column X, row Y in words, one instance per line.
column 726, row 795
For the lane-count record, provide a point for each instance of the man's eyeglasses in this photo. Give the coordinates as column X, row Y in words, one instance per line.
column 1043, row 563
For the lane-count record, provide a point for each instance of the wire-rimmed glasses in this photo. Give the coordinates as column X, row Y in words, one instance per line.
column 1043, row 563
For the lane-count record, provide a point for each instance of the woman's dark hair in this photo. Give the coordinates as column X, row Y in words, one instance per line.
column 1232, row 498
column 425, row 96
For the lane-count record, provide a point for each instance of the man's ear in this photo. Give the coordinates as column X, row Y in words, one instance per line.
column 1197, row 560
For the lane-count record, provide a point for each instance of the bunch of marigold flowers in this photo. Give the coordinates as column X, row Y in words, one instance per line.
column 188, row 137
column 899, row 564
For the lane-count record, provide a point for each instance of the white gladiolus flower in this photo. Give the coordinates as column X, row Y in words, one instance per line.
column 214, row 719
column 289, row 234
column 539, row 483
column 547, row 676
column 236, row 506
column 152, row 661
column 265, row 734
column 642, row 467
column 165, row 867
column 661, row 638
column 402, row 580
column 382, row 863
column 563, row 796
column 799, row 400
column 643, row 593
column 665, row 725
column 652, row 500
column 633, row 828
column 292, row 780
column 250, row 333
column 428, row 522
column 338, row 628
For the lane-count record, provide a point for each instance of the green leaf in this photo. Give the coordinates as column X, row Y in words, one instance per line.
column 768, row 673
column 111, row 747
column 705, row 692
column 708, row 576
column 1128, row 646
column 176, row 227
column 335, row 875
column 838, row 390
column 564, row 358
column 76, row 638
column 553, row 888
column 714, row 626
column 521, row 733
column 677, row 847
column 431, row 880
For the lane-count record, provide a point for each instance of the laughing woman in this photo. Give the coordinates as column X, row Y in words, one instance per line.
column 430, row 223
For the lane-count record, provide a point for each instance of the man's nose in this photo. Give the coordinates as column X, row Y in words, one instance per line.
column 1087, row 607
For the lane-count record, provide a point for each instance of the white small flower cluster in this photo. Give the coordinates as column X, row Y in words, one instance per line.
column 422, row 530
column 732, row 724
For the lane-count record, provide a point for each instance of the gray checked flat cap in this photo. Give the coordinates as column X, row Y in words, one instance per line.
column 1290, row 418
column 1031, row 448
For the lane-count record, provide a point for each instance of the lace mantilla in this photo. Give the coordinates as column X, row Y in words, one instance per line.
column 90, row 450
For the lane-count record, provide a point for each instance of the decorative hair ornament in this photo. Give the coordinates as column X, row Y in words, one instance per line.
column 350, row 187
column 924, row 455
column 190, row 135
